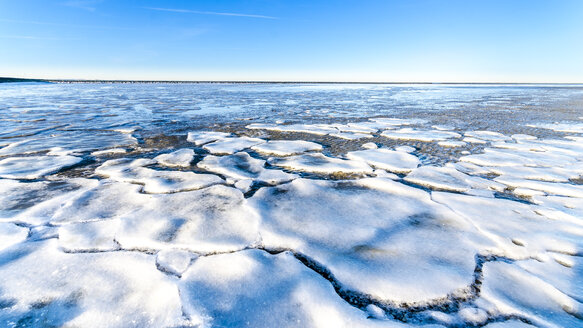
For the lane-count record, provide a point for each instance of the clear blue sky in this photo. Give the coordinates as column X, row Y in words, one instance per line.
column 380, row 40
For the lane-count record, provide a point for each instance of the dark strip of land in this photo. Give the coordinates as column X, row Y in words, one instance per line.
column 13, row 79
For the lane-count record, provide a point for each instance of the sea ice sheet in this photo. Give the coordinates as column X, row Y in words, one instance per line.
column 286, row 147
column 34, row 167
column 385, row 159
column 256, row 289
column 376, row 236
column 181, row 157
column 117, row 289
column 155, row 181
column 228, row 146
column 318, row 163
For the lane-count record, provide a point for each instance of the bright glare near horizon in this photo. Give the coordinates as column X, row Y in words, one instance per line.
column 376, row 40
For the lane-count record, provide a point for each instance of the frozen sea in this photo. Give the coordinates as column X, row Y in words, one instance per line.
column 291, row 205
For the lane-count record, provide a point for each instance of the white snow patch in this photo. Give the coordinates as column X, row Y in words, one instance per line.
column 487, row 135
column 419, row 135
column 376, row 236
column 390, row 160
column 203, row 137
column 114, row 289
column 318, row 163
column 174, row 261
column 246, row 287
column 11, row 234
column 89, row 236
column 181, row 157
column 243, row 169
column 452, row 143
column 34, row 167
column 406, row 149
column 448, row 178
column 228, row 146
column 370, row 145
column 109, row 151
column 155, row 181
column 286, row 147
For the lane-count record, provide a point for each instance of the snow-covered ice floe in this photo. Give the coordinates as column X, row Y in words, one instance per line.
column 286, row 147
column 419, row 135
column 365, row 238
column 318, row 163
column 34, row 167
column 385, row 159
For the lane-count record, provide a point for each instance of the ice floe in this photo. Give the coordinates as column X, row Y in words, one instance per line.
column 254, row 288
column 318, row 163
column 510, row 290
column 214, row 219
column 376, row 236
column 559, row 189
column 286, row 147
column 318, row 129
column 419, row 135
column 42, row 286
column 155, row 181
column 575, row 127
column 390, row 160
column 181, row 157
column 448, row 178
column 109, row 151
column 242, row 170
column 487, row 135
column 174, row 261
column 370, row 145
column 89, row 236
column 202, row 137
column 452, row 143
column 34, row 167
column 228, row 146
column 11, row 234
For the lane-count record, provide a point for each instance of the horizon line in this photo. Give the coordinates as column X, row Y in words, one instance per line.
column 18, row 79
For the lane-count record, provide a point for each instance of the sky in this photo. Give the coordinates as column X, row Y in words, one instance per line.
column 294, row 40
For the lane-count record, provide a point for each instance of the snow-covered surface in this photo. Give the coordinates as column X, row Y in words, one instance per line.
column 155, row 181
column 385, row 159
column 286, row 147
column 419, row 135
column 242, row 170
column 448, row 178
column 321, row 235
column 203, row 137
column 181, row 157
column 318, row 163
column 231, row 145
column 34, row 167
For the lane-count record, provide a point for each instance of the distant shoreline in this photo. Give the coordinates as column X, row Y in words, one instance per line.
column 72, row 81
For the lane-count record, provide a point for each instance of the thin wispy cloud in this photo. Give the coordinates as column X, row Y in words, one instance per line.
column 105, row 27
column 30, row 37
column 89, row 5
column 197, row 12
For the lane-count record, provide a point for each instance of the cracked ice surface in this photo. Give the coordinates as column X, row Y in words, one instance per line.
column 47, row 287
column 155, row 181
column 390, row 160
column 242, row 170
column 256, row 289
column 318, row 163
column 490, row 235
column 394, row 248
